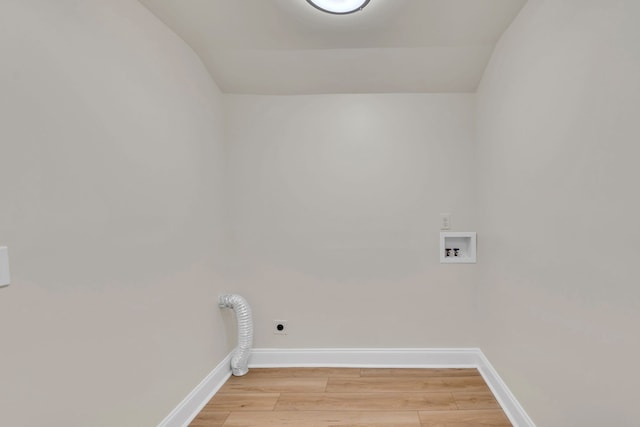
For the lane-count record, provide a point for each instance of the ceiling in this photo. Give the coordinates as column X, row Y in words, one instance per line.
column 287, row 47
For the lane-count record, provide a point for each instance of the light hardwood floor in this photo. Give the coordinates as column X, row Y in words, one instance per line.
column 351, row 397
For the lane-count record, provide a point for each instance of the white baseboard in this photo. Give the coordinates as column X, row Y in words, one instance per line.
column 507, row 400
column 357, row 358
column 364, row 357
column 191, row 405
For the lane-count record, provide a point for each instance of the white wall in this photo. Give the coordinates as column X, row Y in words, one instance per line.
column 558, row 149
column 111, row 162
column 335, row 212
column 111, row 170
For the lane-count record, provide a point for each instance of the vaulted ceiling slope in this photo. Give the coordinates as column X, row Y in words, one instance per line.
column 288, row 47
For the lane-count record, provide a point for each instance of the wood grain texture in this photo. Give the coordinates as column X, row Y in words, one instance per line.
column 418, row 373
column 372, row 384
column 323, row 419
column 365, row 401
column 208, row 418
column 339, row 397
column 472, row 400
column 243, row 402
column 475, row 418
column 274, row 385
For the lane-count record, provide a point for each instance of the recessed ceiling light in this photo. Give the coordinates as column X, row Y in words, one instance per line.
column 339, row 7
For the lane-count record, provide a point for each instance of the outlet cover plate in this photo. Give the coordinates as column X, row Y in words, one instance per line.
column 284, row 330
column 445, row 221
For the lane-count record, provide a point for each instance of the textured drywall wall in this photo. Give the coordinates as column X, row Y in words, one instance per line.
column 558, row 134
column 335, row 203
column 111, row 162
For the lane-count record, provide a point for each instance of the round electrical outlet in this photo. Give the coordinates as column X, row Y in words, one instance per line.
column 280, row 327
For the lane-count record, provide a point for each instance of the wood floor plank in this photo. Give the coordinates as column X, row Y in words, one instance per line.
column 364, row 401
column 303, row 372
column 336, row 397
column 474, row 418
column 353, row 385
column 207, row 418
column 274, row 385
column 475, row 400
column 323, row 419
column 418, row 372
column 243, row 402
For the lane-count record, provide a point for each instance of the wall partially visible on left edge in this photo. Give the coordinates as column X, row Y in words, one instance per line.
column 111, row 169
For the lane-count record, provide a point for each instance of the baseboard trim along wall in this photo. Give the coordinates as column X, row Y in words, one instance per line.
column 353, row 358
column 364, row 357
column 191, row 405
column 507, row 400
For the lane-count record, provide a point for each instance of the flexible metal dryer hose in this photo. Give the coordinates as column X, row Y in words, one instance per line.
column 240, row 358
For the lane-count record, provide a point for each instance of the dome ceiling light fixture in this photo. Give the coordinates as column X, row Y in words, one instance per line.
column 339, row 7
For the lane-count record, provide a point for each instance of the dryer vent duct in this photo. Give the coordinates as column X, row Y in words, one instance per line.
column 240, row 358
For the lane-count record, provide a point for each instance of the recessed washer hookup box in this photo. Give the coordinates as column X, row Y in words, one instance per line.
column 458, row 247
